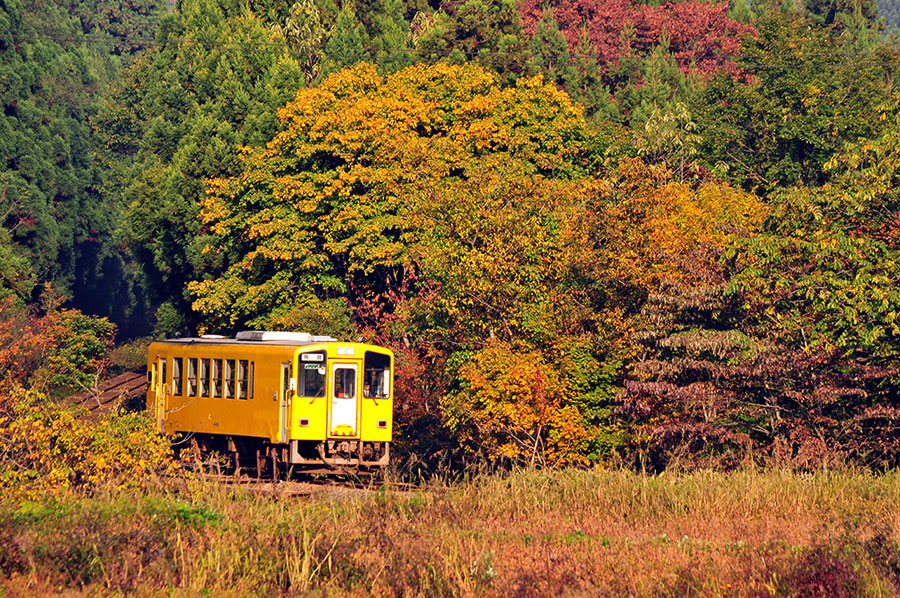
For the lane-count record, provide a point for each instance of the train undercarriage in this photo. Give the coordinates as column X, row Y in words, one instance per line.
column 242, row 454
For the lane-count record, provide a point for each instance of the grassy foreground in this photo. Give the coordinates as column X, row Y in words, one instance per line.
column 566, row 533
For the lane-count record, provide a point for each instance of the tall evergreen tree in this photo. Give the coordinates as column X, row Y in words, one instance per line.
column 348, row 44
column 52, row 186
column 742, row 11
column 393, row 37
column 587, row 86
column 659, row 87
column 178, row 118
column 486, row 32
column 550, row 52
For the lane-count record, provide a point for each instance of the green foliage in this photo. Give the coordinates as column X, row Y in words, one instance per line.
column 742, row 12
column 17, row 276
column 484, row 32
column 550, row 52
column 348, row 44
column 128, row 26
column 811, row 91
column 304, row 33
column 180, row 115
column 393, row 39
column 53, row 209
column 586, row 83
column 829, row 261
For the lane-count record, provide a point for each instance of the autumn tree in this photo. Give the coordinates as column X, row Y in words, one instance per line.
column 790, row 354
column 434, row 172
column 701, row 35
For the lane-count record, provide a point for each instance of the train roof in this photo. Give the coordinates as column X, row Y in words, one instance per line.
column 262, row 337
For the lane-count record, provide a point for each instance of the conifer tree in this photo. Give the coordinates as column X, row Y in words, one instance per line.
column 348, row 44
column 179, row 116
column 486, row 32
column 660, row 87
column 742, row 11
column 550, row 52
column 52, row 207
column 586, row 85
column 392, row 42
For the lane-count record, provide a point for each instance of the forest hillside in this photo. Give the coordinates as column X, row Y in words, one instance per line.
column 592, row 231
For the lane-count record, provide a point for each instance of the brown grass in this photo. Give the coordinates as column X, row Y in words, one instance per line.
column 565, row 533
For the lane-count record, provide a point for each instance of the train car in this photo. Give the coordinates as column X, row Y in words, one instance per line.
column 287, row 399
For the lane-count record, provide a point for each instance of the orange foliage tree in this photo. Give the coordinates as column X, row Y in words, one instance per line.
column 515, row 406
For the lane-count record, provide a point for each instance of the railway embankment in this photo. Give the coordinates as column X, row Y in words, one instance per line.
column 527, row 533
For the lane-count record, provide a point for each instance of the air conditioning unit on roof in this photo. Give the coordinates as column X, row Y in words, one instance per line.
column 284, row 337
column 264, row 335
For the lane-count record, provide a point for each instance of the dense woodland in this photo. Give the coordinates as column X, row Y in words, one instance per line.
column 592, row 231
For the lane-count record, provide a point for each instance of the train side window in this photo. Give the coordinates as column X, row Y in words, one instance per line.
column 242, row 378
column 344, row 383
column 177, row 364
column 229, row 378
column 192, row 377
column 164, row 379
column 377, row 375
column 217, row 378
column 204, row 377
column 252, row 377
column 311, row 376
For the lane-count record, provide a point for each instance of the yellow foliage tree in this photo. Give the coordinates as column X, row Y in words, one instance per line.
column 516, row 407
column 332, row 200
column 644, row 230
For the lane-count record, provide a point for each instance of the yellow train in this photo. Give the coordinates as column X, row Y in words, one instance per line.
column 288, row 399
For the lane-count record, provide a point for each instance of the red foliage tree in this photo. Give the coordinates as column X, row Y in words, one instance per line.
column 700, row 36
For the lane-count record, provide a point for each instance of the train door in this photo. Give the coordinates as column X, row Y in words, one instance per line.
column 285, row 400
column 344, row 399
column 160, row 376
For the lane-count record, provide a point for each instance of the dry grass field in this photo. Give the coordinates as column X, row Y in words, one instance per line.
column 529, row 533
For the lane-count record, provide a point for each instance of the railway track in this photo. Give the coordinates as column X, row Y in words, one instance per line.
column 121, row 390
column 291, row 488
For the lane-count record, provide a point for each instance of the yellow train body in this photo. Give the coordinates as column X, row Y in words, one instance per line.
column 292, row 397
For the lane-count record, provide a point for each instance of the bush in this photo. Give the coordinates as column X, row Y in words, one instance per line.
column 46, row 450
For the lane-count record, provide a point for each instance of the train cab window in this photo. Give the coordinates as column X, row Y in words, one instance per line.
column 192, row 377
column 204, row 377
column 177, row 363
column 376, row 375
column 229, row 378
column 217, row 378
column 243, row 375
column 165, row 380
column 345, row 383
column 311, row 376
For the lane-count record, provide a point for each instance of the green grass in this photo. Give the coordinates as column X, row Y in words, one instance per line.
column 571, row 533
